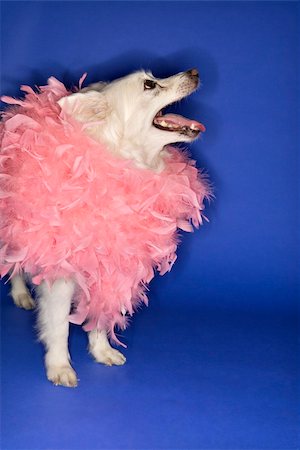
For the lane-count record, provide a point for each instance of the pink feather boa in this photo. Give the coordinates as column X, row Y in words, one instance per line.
column 71, row 209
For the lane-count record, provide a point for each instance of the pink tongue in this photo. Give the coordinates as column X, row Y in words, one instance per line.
column 180, row 120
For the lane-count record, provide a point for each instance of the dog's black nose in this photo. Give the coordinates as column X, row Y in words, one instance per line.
column 193, row 73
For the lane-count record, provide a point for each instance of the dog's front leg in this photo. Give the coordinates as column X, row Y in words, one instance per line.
column 101, row 350
column 53, row 323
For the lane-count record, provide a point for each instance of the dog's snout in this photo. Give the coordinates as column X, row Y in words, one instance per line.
column 193, row 73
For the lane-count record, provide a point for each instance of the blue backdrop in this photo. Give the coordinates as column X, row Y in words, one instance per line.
column 213, row 362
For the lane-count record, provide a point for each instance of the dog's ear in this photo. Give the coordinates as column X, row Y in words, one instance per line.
column 85, row 107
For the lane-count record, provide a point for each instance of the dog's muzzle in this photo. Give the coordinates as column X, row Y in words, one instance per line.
column 177, row 123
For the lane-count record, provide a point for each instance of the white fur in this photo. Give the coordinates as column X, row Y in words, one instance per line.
column 120, row 114
column 100, row 348
column 53, row 312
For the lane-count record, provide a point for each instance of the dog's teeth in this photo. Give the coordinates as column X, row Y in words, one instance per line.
column 164, row 124
column 193, row 126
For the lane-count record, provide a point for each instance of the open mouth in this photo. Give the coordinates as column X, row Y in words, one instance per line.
column 178, row 124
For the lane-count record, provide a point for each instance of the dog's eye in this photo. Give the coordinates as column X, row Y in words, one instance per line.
column 149, row 84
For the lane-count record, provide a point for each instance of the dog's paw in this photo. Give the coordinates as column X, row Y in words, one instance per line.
column 110, row 357
column 23, row 300
column 62, row 376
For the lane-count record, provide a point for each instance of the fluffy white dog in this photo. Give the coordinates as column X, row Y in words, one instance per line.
column 127, row 116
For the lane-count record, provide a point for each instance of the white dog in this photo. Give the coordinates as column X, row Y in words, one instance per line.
column 127, row 116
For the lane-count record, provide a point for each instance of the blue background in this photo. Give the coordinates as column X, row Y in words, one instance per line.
column 213, row 362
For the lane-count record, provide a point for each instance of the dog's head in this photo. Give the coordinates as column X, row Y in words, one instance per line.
column 127, row 114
